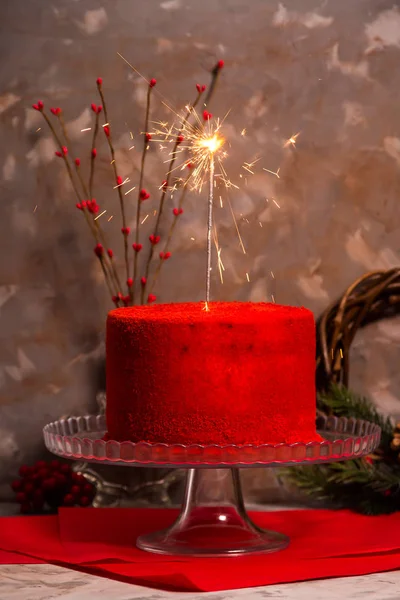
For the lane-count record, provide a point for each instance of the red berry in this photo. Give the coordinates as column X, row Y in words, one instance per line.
column 21, row 497
column 87, row 489
column 25, row 508
column 137, row 247
column 119, row 180
column 164, row 184
column 106, row 130
column 177, row 211
column 16, row 485
column 154, row 239
column 24, row 471
column 99, row 250
column 28, row 488
column 61, row 480
column 49, row 484
column 38, row 500
column 110, row 253
column 94, row 153
column 152, row 82
column 206, row 115
column 36, row 480
column 65, row 150
column 129, row 282
column 66, row 469
column 99, row 109
column 75, row 490
column 44, row 473
column 126, row 300
column 77, row 162
column 69, row 500
column 84, row 501
column 148, row 137
column 55, row 464
column 144, row 195
column 78, row 477
column 40, row 464
column 125, row 230
column 143, row 281
column 220, row 64
column 93, row 107
column 151, row 298
column 180, row 139
column 99, row 81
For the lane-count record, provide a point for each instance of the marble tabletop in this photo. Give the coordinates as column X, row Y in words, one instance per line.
column 48, row 582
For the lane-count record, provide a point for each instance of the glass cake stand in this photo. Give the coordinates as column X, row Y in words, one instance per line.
column 213, row 520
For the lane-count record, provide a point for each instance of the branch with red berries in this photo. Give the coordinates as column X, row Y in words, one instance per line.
column 84, row 189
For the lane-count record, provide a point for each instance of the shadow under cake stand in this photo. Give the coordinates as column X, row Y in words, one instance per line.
column 213, row 520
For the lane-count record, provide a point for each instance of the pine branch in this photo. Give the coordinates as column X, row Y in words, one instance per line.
column 343, row 403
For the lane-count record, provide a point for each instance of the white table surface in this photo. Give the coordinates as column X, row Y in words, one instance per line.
column 47, row 582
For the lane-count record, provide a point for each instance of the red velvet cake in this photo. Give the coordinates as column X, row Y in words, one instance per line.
column 240, row 373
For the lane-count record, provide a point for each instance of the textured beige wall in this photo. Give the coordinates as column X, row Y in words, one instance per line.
column 328, row 70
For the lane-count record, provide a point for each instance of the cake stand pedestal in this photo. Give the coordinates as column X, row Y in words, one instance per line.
column 213, row 519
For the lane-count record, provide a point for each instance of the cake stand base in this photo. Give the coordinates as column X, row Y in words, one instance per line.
column 213, row 521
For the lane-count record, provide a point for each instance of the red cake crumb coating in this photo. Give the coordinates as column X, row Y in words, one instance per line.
column 240, row 373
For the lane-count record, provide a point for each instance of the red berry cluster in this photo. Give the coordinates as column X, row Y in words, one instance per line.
column 48, row 485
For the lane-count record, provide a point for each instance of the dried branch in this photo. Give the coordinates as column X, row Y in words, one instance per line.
column 166, row 183
column 142, row 194
column 107, row 131
column 165, row 253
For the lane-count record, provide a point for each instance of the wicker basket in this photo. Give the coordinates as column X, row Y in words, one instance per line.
column 372, row 297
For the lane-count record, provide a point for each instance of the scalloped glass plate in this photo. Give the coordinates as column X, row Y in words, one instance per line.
column 80, row 438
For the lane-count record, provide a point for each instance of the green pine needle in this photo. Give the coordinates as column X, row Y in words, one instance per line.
column 344, row 403
column 356, row 484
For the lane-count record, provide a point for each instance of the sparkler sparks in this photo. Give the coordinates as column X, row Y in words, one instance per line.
column 292, row 140
column 199, row 144
column 276, row 173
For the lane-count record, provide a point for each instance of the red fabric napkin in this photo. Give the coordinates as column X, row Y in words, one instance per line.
column 102, row 541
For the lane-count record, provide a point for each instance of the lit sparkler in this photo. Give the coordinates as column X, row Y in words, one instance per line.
column 201, row 145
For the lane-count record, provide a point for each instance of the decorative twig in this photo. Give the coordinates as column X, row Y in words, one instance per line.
column 97, row 110
column 166, row 182
column 82, row 204
column 165, row 254
column 214, row 80
column 118, row 179
column 142, row 193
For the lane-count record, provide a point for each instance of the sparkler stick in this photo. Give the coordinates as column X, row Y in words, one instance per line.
column 209, row 228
